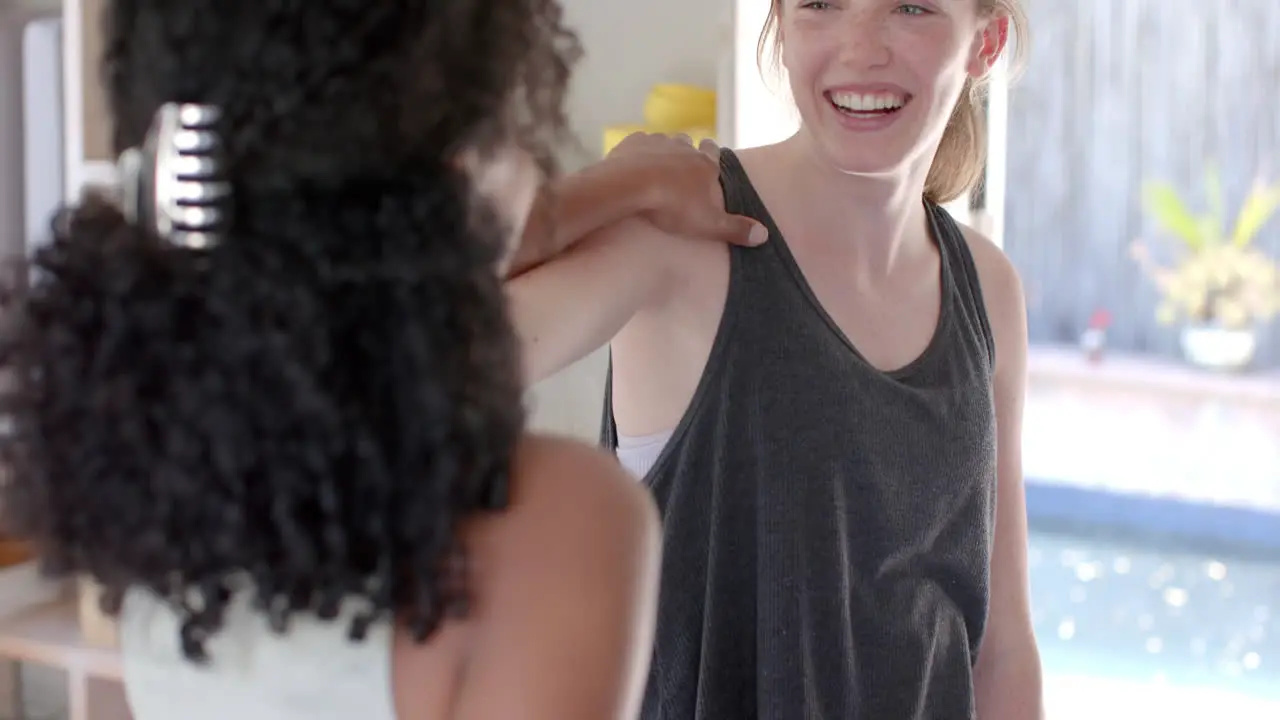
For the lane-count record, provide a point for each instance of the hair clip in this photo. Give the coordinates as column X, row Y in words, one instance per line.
column 172, row 184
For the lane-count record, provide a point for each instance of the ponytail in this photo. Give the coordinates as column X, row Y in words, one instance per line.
column 960, row 161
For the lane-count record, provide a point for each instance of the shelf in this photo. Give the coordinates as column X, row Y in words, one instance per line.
column 22, row 586
column 50, row 635
column 1132, row 373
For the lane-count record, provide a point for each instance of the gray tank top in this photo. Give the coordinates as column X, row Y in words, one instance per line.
column 827, row 526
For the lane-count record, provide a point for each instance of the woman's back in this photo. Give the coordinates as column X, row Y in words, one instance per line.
column 564, row 592
column 313, row 671
column 565, row 587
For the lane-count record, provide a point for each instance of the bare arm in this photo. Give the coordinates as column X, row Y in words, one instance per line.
column 1007, row 679
column 565, row 620
column 577, row 205
column 663, row 190
column 568, row 308
column 672, row 184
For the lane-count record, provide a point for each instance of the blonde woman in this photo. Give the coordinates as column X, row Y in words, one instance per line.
column 830, row 422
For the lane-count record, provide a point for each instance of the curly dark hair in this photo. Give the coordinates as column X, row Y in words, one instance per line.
column 318, row 402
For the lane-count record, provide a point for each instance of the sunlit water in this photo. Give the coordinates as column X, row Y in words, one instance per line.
column 1126, row 628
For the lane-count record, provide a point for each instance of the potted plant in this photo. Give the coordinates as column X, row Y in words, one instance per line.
column 1220, row 286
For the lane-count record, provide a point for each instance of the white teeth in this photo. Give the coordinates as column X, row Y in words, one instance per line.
column 860, row 102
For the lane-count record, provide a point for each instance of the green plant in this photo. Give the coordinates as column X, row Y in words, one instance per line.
column 1219, row 277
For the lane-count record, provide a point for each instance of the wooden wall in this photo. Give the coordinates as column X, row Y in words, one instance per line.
column 1118, row 92
column 96, row 120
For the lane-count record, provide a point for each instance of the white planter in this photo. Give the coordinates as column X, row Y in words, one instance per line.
column 1217, row 348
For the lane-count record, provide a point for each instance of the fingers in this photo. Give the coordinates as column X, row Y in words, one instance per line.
column 641, row 141
column 742, row 230
column 735, row 229
column 710, row 149
column 628, row 143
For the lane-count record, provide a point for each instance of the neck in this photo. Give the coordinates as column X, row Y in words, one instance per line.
column 883, row 215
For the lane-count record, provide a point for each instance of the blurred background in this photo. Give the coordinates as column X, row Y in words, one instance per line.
column 1133, row 175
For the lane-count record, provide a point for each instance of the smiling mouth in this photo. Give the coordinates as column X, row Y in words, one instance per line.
column 867, row 105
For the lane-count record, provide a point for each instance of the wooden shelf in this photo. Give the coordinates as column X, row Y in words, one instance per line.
column 50, row 635
column 1146, row 374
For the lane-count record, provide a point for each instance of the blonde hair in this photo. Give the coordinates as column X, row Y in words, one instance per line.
column 957, row 167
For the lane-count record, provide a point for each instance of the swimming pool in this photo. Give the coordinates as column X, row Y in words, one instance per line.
column 1136, row 625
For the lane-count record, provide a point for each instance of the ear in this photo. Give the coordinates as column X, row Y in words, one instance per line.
column 989, row 45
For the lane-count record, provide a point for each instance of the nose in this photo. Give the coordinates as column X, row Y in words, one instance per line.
column 865, row 39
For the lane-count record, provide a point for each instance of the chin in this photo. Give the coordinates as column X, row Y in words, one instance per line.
column 879, row 144
column 856, row 156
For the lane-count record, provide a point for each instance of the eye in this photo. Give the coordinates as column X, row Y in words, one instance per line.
column 912, row 10
column 815, row 5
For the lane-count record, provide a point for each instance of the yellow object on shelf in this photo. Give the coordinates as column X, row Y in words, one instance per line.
column 618, row 133
column 672, row 107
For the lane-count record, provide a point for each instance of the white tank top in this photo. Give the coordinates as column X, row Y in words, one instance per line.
column 312, row 672
column 639, row 453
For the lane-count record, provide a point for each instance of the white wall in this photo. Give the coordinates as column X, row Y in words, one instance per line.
column 763, row 111
column 42, row 122
column 630, row 46
column 997, row 151
column 14, row 220
column 44, row 687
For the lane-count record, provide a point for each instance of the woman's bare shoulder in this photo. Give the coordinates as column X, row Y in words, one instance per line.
column 564, row 490
column 572, row 505
column 565, row 590
column 564, row 595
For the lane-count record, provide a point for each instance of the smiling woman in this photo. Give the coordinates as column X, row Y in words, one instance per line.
column 829, row 421
column 961, row 153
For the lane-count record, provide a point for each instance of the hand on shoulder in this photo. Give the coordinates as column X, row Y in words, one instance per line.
column 684, row 193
